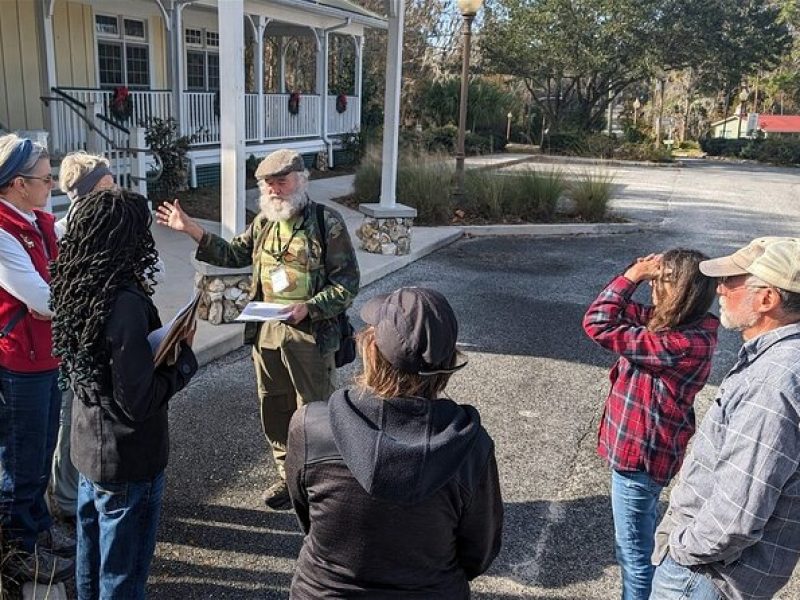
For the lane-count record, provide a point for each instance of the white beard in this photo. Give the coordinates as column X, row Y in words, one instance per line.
column 283, row 208
column 738, row 322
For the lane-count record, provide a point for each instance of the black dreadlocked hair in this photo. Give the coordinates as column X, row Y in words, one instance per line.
column 107, row 246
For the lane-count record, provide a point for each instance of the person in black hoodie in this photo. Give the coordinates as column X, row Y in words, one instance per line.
column 395, row 487
column 120, row 440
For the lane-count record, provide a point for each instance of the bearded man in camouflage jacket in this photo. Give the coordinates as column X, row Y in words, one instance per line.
column 294, row 359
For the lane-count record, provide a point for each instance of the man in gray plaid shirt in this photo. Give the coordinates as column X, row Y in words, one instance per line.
column 732, row 529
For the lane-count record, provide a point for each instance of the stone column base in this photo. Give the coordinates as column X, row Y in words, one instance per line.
column 223, row 292
column 386, row 230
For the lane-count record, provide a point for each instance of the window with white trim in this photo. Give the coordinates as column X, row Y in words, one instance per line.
column 123, row 53
column 202, row 59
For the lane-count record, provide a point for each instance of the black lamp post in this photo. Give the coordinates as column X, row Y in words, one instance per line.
column 468, row 8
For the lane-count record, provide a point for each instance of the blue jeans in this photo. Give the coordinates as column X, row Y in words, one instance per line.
column 117, row 524
column 675, row 582
column 30, row 404
column 634, row 502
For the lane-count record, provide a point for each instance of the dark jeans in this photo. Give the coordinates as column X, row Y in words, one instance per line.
column 117, row 524
column 30, row 404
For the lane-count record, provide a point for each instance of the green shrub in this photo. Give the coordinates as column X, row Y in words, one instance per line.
column 591, row 193
column 723, row 146
column 562, row 143
column 647, row 151
column 776, row 150
column 162, row 137
column 440, row 139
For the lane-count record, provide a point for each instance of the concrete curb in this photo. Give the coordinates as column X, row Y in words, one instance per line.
column 548, row 158
column 558, row 229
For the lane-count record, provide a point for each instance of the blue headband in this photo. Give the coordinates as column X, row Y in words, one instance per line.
column 15, row 161
column 86, row 184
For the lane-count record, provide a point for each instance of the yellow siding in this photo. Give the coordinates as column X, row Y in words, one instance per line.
column 31, row 69
column 74, row 44
column 158, row 47
column 20, row 88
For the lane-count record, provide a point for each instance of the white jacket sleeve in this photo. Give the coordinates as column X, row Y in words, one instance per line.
column 19, row 277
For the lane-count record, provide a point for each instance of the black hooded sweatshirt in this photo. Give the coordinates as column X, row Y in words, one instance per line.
column 398, row 498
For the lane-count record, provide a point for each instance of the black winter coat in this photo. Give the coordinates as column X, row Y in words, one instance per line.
column 398, row 498
column 120, row 432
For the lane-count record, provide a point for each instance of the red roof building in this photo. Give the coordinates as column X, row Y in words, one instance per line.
column 779, row 123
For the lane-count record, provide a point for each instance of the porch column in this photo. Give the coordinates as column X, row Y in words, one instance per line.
column 231, row 118
column 358, row 42
column 387, row 225
column 50, row 63
column 282, row 64
column 176, row 62
column 391, row 107
column 321, row 83
column 262, row 26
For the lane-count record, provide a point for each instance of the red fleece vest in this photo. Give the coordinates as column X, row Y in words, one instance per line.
column 29, row 346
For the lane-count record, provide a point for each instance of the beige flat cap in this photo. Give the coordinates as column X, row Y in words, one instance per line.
column 280, row 162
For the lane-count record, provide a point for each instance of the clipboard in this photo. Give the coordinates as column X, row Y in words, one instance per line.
column 165, row 340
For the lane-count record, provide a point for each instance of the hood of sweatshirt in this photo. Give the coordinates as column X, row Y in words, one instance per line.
column 402, row 450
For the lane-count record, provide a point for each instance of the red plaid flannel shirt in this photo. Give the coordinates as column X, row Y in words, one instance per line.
column 648, row 418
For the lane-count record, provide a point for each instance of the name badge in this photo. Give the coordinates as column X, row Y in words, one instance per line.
column 279, row 278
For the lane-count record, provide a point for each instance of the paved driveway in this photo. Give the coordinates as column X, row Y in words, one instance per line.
column 537, row 381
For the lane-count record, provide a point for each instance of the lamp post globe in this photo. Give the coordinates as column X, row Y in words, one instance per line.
column 468, row 8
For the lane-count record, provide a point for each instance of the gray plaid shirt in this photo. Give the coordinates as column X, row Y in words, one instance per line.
column 735, row 512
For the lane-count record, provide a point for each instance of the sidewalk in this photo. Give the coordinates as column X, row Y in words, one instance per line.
column 212, row 341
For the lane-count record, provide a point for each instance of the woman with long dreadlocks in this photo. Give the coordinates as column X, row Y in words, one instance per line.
column 79, row 174
column 119, row 425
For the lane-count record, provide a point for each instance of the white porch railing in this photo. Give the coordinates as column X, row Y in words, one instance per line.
column 343, row 122
column 280, row 123
column 200, row 118
column 71, row 132
column 252, row 131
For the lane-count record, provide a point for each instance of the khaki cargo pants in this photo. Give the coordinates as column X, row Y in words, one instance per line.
column 290, row 372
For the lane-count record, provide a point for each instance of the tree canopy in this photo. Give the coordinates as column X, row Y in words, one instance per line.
column 575, row 56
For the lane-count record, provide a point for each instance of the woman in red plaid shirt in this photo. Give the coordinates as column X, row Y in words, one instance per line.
column 664, row 359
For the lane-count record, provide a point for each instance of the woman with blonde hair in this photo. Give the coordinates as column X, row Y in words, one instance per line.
column 394, row 484
column 31, row 400
column 664, row 360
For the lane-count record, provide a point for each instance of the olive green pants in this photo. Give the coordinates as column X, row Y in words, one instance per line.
column 290, row 372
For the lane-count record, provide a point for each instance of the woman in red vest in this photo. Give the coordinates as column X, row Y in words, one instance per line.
column 30, row 400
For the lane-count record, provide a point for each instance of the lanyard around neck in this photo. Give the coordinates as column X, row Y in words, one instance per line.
column 279, row 256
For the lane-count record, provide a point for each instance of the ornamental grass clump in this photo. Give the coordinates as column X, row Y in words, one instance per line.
column 591, row 193
column 424, row 181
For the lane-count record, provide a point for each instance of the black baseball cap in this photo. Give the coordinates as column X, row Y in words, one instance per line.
column 415, row 330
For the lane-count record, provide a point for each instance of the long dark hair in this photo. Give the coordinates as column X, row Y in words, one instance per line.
column 108, row 245
column 690, row 295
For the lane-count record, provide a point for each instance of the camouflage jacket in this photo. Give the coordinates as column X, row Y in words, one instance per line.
column 334, row 285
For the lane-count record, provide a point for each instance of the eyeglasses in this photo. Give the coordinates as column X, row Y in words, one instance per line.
column 726, row 281
column 46, row 178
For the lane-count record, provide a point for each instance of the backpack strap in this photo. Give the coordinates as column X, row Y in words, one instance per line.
column 323, row 235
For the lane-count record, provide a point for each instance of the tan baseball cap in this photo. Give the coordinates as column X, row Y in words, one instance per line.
column 775, row 260
column 280, row 162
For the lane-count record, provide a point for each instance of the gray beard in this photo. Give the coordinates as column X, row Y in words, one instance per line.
column 276, row 208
